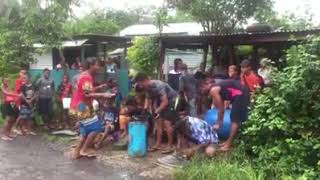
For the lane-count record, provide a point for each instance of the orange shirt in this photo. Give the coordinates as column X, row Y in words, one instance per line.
column 251, row 81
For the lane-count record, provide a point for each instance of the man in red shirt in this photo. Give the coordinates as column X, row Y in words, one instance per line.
column 248, row 77
column 81, row 109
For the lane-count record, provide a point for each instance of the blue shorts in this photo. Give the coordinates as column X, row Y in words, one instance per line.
column 91, row 125
column 26, row 112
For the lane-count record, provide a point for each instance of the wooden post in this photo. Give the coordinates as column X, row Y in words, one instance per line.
column 123, row 75
column 161, row 59
column 104, row 51
column 214, row 55
column 83, row 52
column 255, row 57
column 205, row 58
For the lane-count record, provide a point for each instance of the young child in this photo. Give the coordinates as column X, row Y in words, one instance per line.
column 109, row 115
column 24, row 121
column 9, row 109
column 233, row 72
column 64, row 91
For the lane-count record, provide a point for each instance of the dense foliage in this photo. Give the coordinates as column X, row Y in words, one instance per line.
column 142, row 55
column 221, row 16
column 282, row 133
column 25, row 23
column 107, row 21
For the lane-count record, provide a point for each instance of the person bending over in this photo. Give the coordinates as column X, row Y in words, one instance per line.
column 161, row 98
column 239, row 97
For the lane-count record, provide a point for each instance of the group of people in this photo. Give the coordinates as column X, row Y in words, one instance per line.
column 18, row 105
column 173, row 112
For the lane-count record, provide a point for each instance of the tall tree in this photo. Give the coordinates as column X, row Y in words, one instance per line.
column 221, row 16
column 27, row 22
column 161, row 19
column 108, row 21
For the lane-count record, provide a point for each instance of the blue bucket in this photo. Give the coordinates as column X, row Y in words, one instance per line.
column 211, row 118
column 137, row 139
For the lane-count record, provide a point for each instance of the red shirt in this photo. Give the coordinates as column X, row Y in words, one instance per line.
column 18, row 85
column 9, row 98
column 84, row 84
column 251, row 81
column 65, row 90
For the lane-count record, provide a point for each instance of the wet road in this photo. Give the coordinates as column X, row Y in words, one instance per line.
column 31, row 158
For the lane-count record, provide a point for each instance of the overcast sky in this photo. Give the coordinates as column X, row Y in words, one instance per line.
column 296, row 6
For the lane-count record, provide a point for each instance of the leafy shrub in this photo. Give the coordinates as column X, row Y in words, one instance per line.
column 143, row 55
column 282, row 133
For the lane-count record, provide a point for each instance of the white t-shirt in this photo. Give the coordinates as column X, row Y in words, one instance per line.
column 265, row 74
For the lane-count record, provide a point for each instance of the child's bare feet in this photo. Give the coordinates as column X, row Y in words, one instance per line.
column 74, row 154
column 6, row 138
column 18, row 132
column 32, row 133
column 88, row 152
column 168, row 150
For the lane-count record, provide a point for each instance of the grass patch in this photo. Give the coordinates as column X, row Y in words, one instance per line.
column 222, row 167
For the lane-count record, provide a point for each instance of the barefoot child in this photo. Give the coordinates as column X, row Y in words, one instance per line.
column 9, row 109
column 109, row 115
column 24, row 121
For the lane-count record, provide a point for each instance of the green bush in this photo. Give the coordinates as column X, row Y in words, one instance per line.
column 143, row 55
column 229, row 166
column 282, row 133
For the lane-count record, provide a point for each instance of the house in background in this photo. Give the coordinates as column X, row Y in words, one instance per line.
column 82, row 46
column 192, row 58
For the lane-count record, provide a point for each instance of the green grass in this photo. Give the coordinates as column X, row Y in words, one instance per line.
column 223, row 167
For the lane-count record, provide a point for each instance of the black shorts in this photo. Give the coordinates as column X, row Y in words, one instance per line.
column 169, row 113
column 45, row 106
column 239, row 110
column 9, row 109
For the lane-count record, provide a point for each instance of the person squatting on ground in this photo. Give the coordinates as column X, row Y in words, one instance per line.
column 109, row 115
column 239, row 97
column 9, row 109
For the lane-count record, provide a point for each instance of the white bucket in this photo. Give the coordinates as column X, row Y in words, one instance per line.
column 66, row 103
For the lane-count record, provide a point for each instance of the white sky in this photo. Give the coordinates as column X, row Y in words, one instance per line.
column 298, row 7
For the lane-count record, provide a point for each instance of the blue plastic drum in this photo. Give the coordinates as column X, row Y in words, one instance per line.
column 137, row 139
column 211, row 118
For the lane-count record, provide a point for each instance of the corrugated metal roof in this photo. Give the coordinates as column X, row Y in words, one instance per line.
column 189, row 28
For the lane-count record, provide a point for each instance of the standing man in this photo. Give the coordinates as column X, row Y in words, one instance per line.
column 239, row 97
column 81, row 108
column 188, row 87
column 175, row 73
column 161, row 98
column 45, row 86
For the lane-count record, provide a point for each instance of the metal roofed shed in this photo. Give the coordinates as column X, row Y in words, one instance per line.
column 189, row 28
column 274, row 42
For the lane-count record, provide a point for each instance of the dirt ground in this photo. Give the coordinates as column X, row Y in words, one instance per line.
column 144, row 167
